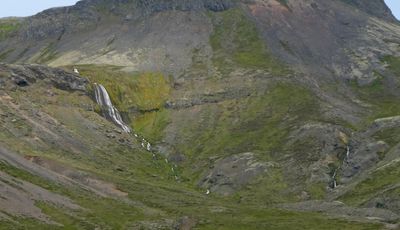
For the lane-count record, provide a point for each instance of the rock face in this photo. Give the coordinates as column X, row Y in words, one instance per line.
column 364, row 158
column 149, row 29
column 25, row 75
column 87, row 13
column 384, row 123
column 376, row 8
column 231, row 173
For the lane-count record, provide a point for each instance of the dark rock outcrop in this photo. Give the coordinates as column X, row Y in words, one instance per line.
column 365, row 157
column 233, row 172
column 209, row 98
column 85, row 14
column 24, row 75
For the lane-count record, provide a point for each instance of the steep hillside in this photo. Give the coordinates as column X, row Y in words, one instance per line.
column 63, row 166
column 269, row 111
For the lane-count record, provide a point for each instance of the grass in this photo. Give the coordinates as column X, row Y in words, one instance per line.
column 8, row 27
column 317, row 191
column 112, row 214
column 393, row 64
column 47, row 54
column 257, row 124
column 100, row 211
column 20, row 223
column 377, row 181
column 141, row 91
column 4, row 54
column 267, row 190
column 59, row 215
column 264, row 121
column 236, row 40
column 379, row 94
column 279, row 220
column 391, row 135
column 383, row 102
column 152, row 124
column 139, row 96
column 23, row 175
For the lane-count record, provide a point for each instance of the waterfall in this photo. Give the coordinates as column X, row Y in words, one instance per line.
column 345, row 160
column 334, row 178
column 109, row 111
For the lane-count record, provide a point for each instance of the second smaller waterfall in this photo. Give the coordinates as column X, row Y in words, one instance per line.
column 345, row 160
column 334, row 182
column 109, row 111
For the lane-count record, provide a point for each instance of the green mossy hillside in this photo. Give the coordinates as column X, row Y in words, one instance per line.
column 116, row 214
column 236, row 41
column 139, row 96
column 257, row 123
column 137, row 91
column 383, row 179
column 152, row 124
column 383, row 101
column 393, row 63
column 8, row 27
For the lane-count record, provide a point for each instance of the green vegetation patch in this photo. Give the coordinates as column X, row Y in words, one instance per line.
column 268, row 189
column 393, row 64
column 4, row 54
column 236, row 40
column 155, row 195
column 317, row 191
column 378, row 180
column 383, row 102
column 8, row 27
column 21, row 174
column 391, row 135
column 19, row 223
column 47, row 54
column 140, row 96
column 98, row 211
column 254, row 123
column 141, row 91
column 258, row 124
column 274, row 219
column 152, row 124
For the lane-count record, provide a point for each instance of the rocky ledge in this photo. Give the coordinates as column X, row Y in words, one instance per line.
column 12, row 76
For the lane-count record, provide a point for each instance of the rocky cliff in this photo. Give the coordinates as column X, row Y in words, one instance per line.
column 375, row 8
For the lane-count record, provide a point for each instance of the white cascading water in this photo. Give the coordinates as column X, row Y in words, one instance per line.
column 103, row 99
column 112, row 113
column 334, row 179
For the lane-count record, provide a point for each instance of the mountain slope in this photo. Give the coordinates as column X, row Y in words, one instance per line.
column 285, row 104
column 70, row 168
